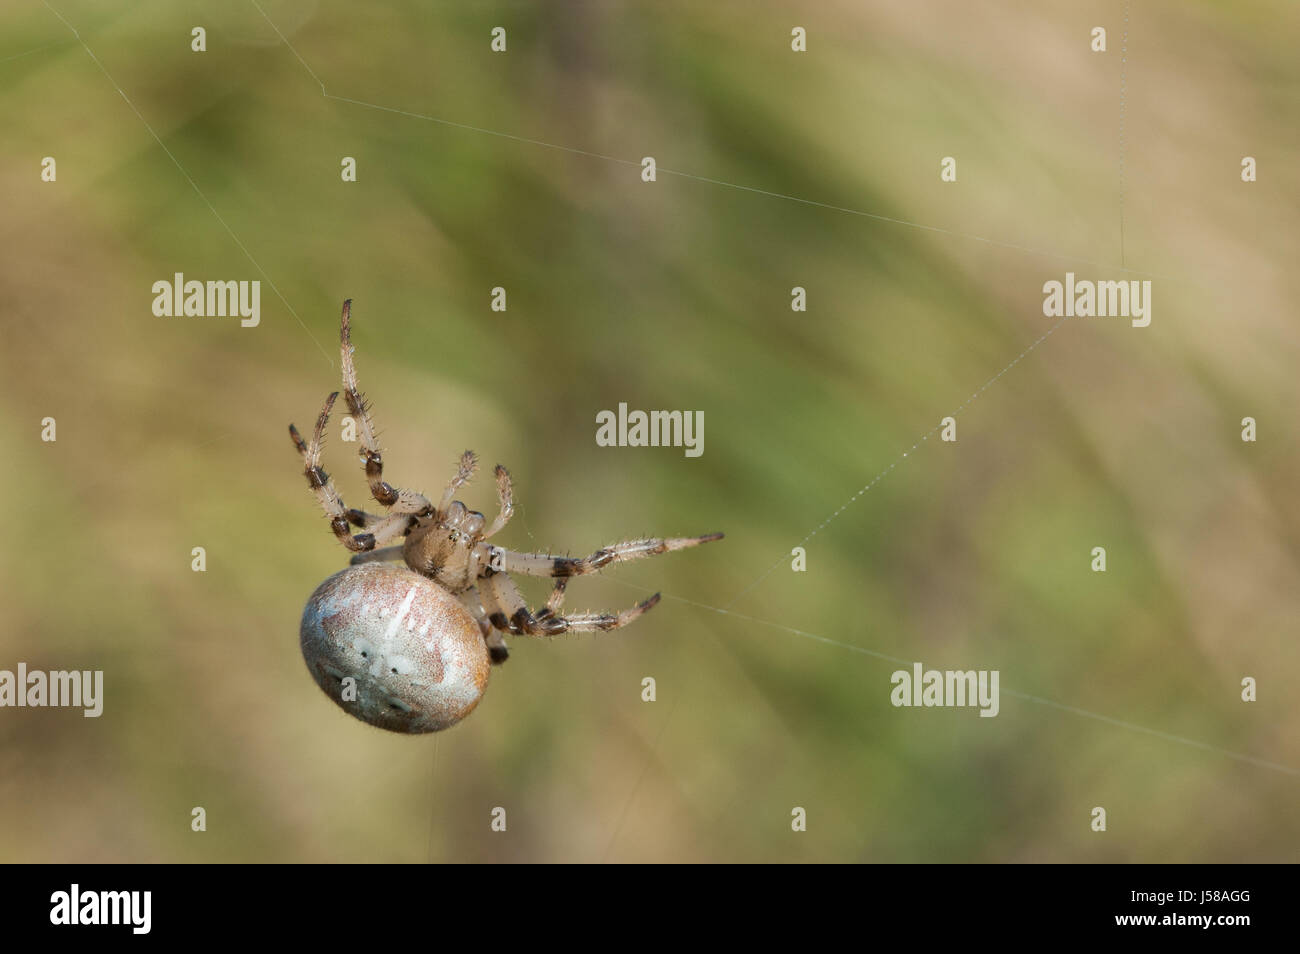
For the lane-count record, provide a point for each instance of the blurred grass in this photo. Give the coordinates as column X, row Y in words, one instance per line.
column 672, row 295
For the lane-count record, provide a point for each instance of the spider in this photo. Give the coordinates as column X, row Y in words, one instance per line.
column 409, row 647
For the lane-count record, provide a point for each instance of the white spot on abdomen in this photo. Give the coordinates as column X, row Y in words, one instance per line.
column 401, row 614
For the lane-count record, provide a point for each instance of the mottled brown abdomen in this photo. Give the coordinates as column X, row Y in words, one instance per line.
column 415, row 655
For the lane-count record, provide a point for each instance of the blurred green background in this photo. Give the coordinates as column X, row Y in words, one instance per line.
column 676, row 294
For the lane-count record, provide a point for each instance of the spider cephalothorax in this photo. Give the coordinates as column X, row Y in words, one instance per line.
column 408, row 648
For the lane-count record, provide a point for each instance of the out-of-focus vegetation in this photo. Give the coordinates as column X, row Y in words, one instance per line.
column 675, row 294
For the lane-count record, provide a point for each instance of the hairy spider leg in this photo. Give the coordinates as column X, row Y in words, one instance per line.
column 509, row 613
column 545, row 564
column 464, row 474
column 402, row 501
column 327, row 496
column 381, row 555
column 505, row 501
column 472, row 600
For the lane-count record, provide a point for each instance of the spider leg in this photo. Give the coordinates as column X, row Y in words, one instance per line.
column 600, row 622
column 464, row 473
column 322, row 484
column 506, row 499
column 555, row 600
column 380, row 555
column 544, row 564
column 359, row 518
column 383, row 527
column 496, row 644
column 404, row 501
column 386, row 527
column 510, row 613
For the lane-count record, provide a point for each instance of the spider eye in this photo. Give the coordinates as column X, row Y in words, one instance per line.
column 455, row 535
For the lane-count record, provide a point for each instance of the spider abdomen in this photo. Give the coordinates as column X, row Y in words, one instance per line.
column 394, row 648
